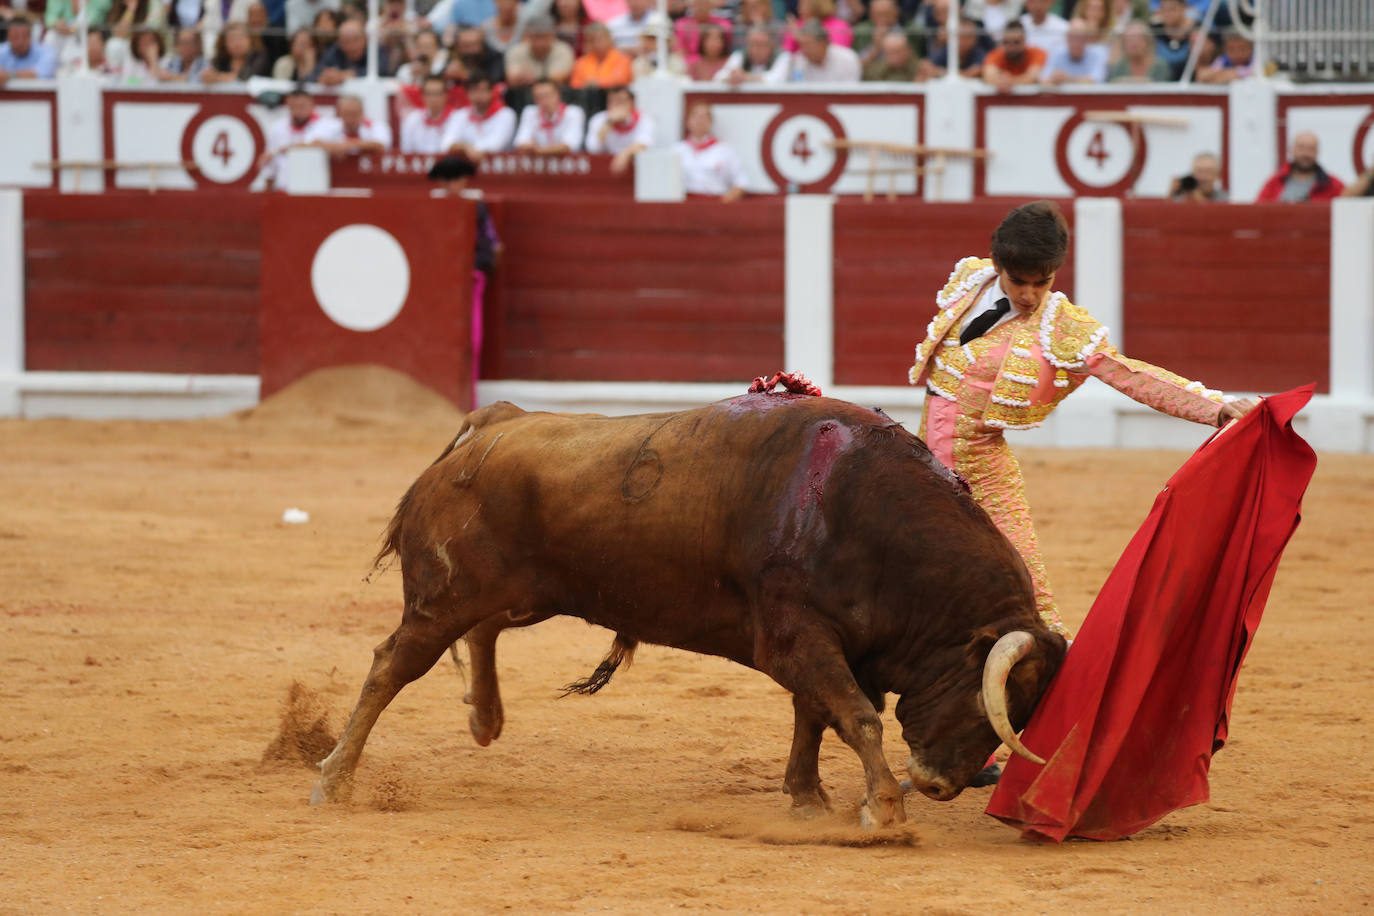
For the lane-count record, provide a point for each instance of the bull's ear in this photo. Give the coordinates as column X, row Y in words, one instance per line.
column 979, row 644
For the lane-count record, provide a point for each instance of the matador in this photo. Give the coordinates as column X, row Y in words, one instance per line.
column 1003, row 351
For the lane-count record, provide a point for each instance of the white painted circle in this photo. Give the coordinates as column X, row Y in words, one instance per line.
column 361, row 277
column 224, row 149
column 800, row 151
column 1100, row 154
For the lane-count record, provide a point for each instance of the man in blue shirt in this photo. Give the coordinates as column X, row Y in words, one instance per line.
column 464, row 13
column 1076, row 60
column 21, row 58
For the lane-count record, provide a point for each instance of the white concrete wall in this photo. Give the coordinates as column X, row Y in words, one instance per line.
column 11, row 298
column 809, row 287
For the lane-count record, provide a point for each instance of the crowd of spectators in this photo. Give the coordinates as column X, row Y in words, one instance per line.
column 599, row 44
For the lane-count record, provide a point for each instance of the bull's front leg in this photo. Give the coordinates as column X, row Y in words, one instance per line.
column 487, row 715
column 803, row 778
column 810, row 664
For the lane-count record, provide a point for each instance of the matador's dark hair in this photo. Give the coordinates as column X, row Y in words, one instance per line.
column 1033, row 237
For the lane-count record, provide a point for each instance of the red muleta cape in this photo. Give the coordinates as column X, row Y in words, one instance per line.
column 1143, row 699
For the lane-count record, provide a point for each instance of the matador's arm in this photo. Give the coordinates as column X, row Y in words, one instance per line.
column 1155, row 387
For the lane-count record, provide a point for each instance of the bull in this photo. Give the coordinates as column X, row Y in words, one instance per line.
column 811, row 539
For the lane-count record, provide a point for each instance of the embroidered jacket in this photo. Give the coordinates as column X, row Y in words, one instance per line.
column 1052, row 352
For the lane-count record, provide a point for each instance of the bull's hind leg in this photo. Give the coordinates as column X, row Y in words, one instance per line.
column 484, row 696
column 405, row 655
column 803, row 777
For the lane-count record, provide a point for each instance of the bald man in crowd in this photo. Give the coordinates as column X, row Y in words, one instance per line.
column 1301, row 179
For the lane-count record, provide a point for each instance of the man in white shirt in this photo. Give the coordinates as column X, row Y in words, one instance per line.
column 422, row 131
column 626, row 27
column 350, row 133
column 301, row 126
column 1044, row 30
column 759, row 61
column 485, row 126
column 621, row 130
column 819, row 61
column 549, row 126
column 1078, row 60
column 709, row 166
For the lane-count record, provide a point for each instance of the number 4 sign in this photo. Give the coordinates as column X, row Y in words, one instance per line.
column 1097, row 157
column 224, row 148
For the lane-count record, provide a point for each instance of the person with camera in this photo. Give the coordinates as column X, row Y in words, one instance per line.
column 1203, row 183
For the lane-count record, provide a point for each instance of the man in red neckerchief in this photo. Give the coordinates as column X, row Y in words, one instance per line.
column 422, row 131
column 621, row 130
column 350, row 133
column 550, row 126
column 485, row 126
column 301, row 126
column 709, row 167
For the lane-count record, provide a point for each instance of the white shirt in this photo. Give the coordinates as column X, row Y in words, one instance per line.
column 1048, row 35
column 618, row 139
column 489, row 133
column 567, row 127
column 370, row 131
column 989, row 301
column 422, row 134
column 709, row 167
column 625, row 30
column 283, row 133
column 841, row 65
column 777, row 73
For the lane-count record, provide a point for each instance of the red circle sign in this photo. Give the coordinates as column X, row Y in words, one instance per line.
column 1360, row 135
column 1079, row 186
column 228, row 136
column 770, row 165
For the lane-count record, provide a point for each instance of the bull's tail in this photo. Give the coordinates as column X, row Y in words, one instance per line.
column 622, row 652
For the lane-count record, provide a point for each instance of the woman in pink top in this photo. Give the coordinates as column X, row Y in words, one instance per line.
column 713, row 51
column 687, row 30
column 822, row 11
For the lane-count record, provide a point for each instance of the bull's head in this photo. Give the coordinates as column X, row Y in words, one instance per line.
column 953, row 729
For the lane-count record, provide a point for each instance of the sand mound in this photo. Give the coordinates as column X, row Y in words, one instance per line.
column 344, row 396
column 304, row 737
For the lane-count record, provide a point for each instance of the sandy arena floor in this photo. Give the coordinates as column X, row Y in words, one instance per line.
column 156, row 613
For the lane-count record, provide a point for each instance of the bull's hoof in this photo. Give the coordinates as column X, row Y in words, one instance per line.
column 484, row 732
column 987, row 776
column 808, row 811
column 320, row 794
column 874, row 814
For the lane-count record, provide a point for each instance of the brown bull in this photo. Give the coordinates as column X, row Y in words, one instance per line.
column 808, row 538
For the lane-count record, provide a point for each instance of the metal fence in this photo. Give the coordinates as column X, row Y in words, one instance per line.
column 1318, row 39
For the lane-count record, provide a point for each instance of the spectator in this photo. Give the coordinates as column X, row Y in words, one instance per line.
column 1044, row 30
column 426, row 56
column 264, row 37
column 971, row 54
column 473, row 57
column 302, row 14
column 603, row 66
column 1237, row 61
column 822, row 13
column 569, row 18
column 350, row 133
column 1138, row 63
column 646, row 61
column 347, row 57
column 95, row 56
column 820, row 61
column 550, row 126
column 325, row 27
column 896, row 64
column 869, row 34
column 755, row 14
column 466, row 14
column 627, row 27
column 709, row 166
column 539, row 56
column 621, row 130
column 688, row 29
column 1301, row 179
column 301, row 62
column 1013, row 63
column 759, row 62
column 713, row 50
column 23, row 58
column 234, row 60
column 996, row 15
column 186, row 62
column 1363, row 186
column 1077, row 60
column 301, row 126
column 394, row 31
column 1100, row 19
column 423, row 129
column 454, row 174
column 60, row 22
column 1174, row 35
column 485, row 126
column 1203, row 183
column 144, row 64
column 502, row 30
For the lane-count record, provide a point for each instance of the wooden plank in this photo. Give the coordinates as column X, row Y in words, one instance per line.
column 119, row 265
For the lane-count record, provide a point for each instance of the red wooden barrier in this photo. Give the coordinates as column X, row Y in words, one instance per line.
column 610, row 291
column 573, row 175
column 128, row 282
column 1234, row 296
column 890, row 261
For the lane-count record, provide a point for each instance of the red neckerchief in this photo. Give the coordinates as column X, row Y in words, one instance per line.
column 495, row 106
column 359, row 132
column 439, row 121
column 634, row 120
column 546, row 124
column 314, row 116
column 700, row 145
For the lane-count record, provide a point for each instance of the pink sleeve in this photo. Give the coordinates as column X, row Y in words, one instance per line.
column 1155, row 387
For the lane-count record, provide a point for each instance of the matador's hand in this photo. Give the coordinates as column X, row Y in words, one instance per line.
column 1236, row 409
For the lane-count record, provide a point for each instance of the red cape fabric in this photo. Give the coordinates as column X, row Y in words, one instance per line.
column 1142, row 702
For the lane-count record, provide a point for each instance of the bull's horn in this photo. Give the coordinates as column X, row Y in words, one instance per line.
column 1008, row 650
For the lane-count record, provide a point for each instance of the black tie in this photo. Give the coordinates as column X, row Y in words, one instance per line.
column 979, row 326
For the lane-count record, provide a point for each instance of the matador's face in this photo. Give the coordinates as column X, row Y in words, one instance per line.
column 1026, row 289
